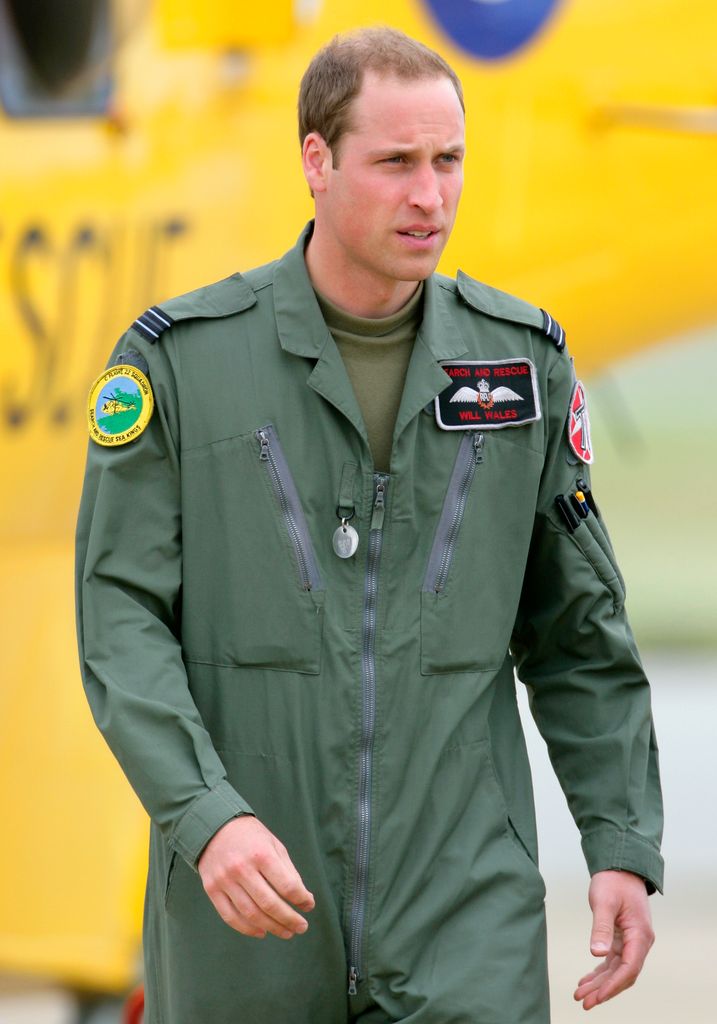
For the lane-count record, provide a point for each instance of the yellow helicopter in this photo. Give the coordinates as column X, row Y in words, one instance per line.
column 149, row 148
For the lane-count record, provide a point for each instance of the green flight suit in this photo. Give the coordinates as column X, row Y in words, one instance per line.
column 364, row 708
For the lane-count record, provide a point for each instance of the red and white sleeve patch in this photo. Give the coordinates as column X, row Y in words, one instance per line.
column 579, row 425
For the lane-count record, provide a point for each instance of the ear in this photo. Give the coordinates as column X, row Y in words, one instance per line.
column 317, row 162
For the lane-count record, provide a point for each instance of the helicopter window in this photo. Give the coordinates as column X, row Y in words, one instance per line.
column 54, row 57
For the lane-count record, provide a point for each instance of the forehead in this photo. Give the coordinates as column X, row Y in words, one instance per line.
column 403, row 111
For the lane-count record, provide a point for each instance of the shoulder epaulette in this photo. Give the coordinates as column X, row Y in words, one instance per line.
column 152, row 323
column 224, row 298
column 504, row 306
column 554, row 331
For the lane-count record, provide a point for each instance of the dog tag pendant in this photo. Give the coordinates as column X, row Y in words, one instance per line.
column 345, row 540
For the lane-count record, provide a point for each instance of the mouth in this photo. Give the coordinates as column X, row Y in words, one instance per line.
column 421, row 233
column 420, row 240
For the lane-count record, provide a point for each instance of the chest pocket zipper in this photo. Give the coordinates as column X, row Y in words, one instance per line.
column 264, row 610
column 470, row 455
column 455, row 635
column 272, row 455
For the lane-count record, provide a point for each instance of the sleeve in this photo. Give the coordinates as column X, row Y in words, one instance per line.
column 128, row 584
column 576, row 654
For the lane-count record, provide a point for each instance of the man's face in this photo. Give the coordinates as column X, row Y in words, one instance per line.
column 388, row 209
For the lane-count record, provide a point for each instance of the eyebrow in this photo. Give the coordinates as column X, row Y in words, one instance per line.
column 458, row 147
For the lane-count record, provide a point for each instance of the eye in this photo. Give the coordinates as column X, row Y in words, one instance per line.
column 399, row 158
column 449, row 158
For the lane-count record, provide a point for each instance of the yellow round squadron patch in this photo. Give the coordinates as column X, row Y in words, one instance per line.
column 120, row 405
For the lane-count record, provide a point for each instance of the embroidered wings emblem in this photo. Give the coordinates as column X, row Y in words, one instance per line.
column 484, row 396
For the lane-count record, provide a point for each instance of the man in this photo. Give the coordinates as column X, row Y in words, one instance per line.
column 305, row 577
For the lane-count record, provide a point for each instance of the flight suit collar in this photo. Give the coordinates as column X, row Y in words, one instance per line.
column 438, row 338
column 303, row 332
column 301, row 327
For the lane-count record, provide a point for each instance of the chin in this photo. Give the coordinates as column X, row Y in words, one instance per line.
column 417, row 270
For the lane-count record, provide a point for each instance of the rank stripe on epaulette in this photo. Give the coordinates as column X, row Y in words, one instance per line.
column 554, row 331
column 153, row 323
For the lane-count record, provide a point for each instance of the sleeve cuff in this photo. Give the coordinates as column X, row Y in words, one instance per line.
column 611, row 850
column 205, row 817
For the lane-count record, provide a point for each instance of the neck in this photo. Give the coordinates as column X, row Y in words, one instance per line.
column 354, row 289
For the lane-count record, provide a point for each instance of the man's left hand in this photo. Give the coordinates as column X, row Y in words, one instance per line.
column 622, row 933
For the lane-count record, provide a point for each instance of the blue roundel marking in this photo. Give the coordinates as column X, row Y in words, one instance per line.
column 491, row 29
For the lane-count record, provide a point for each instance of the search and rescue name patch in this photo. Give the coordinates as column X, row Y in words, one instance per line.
column 487, row 395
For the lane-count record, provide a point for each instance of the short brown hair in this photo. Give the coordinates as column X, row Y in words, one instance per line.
column 334, row 77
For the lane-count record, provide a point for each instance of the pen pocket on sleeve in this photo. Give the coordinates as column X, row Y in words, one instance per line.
column 595, row 546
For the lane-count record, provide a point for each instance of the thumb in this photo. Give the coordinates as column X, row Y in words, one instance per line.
column 602, row 933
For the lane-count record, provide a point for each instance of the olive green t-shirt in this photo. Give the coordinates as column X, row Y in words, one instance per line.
column 376, row 353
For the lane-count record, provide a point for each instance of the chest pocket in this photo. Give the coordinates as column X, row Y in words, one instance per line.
column 253, row 589
column 474, row 573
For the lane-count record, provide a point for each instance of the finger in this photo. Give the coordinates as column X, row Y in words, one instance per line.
column 230, row 915
column 586, row 987
column 637, row 946
column 624, row 977
column 604, row 966
column 591, row 982
column 590, row 1001
column 269, row 904
column 283, row 877
column 252, row 914
column 603, row 931
column 604, row 985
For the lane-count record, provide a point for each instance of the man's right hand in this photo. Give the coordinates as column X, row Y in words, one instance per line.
column 248, row 875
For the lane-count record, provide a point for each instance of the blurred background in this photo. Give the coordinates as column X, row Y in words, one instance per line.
column 149, row 147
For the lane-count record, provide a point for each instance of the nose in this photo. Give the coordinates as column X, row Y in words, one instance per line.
column 425, row 192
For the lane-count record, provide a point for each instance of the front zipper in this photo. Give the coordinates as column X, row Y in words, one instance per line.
column 368, row 726
column 272, row 455
column 470, row 455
